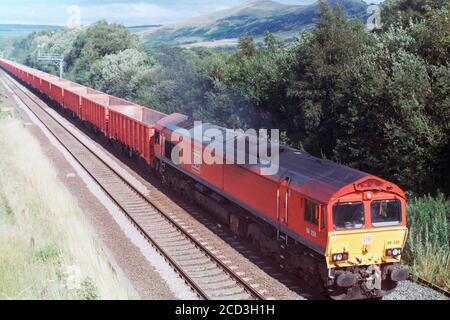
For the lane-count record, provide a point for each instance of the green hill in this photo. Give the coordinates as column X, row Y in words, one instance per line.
column 254, row 17
column 21, row 30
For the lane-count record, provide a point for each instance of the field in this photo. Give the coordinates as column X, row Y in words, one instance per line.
column 47, row 250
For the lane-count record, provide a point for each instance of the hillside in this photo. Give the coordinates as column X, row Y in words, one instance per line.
column 21, row 30
column 254, row 17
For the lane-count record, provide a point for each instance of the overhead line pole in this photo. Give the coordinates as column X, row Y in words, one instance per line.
column 57, row 59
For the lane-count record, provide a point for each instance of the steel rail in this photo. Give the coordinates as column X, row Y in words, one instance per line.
column 200, row 292
column 430, row 285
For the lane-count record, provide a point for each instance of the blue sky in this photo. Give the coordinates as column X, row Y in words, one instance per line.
column 134, row 12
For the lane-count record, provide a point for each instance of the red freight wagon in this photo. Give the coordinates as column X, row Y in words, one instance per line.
column 133, row 126
column 23, row 75
column 19, row 73
column 94, row 109
column 72, row 98
column 57, row 90
column 36, row 79
column 13, row 70
column 45, row 86
column 27, row 76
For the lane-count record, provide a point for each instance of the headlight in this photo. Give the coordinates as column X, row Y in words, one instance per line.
column 340, row 257
column 393, row 252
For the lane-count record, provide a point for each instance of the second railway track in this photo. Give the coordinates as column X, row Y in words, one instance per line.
column 206, row 274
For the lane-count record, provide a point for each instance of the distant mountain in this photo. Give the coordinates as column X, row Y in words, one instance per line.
column 254, row 17
column 137, row 29
column 22, row 30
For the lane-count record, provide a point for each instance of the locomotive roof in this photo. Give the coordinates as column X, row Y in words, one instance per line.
column 317, row 179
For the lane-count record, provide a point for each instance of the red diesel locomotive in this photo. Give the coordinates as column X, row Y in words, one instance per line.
column 338, row 228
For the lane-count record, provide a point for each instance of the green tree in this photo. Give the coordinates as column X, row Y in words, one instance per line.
column 94, row 43
column 321, row 60
column 432, row 35
column 123, row 74
column 391, row 124
column 406, row 11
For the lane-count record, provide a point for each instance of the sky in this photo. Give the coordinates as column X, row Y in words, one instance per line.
column 134, row 12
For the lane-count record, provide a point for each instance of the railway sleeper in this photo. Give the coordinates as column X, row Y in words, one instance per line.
column 217, row 280
column 229, row 292
column 186, row 255
column 206, row 266
column 193, row 262
column 181, row 248
column 198, row 274
column 211, row 285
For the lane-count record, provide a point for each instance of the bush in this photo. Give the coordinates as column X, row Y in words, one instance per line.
column 428, row 249
column 87, row 291
column 47, row 253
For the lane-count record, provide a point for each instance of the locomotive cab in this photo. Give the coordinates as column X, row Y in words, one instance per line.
column 366, row 236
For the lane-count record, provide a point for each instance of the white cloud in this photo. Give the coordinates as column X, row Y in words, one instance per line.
column 134, row 13
column 127, row 13
column 130, row 13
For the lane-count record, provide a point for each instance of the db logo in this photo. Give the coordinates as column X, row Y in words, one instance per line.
column 367, row 239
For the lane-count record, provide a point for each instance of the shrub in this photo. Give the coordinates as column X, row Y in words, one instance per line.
column 428, row 249
column 47, row 253
column 87, row 290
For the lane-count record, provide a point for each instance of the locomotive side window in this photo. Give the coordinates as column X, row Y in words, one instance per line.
column 386, row 213
column 310, row 212
column 157, row 138
column 348, row 215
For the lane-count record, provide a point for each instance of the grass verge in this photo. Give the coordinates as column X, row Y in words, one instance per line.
column 47, row 249
column 428, row 249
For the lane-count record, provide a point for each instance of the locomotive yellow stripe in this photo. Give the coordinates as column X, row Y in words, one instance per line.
column 365, row 246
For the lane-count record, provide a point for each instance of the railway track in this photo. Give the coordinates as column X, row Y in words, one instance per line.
column 431, row 286
column 208, row 276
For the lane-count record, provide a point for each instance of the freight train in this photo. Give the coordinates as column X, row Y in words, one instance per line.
column 339, row 229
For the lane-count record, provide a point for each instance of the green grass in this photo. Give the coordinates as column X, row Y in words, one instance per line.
column 47, row 249
column 428, row 249
column 2, row 114
column 23, row 275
